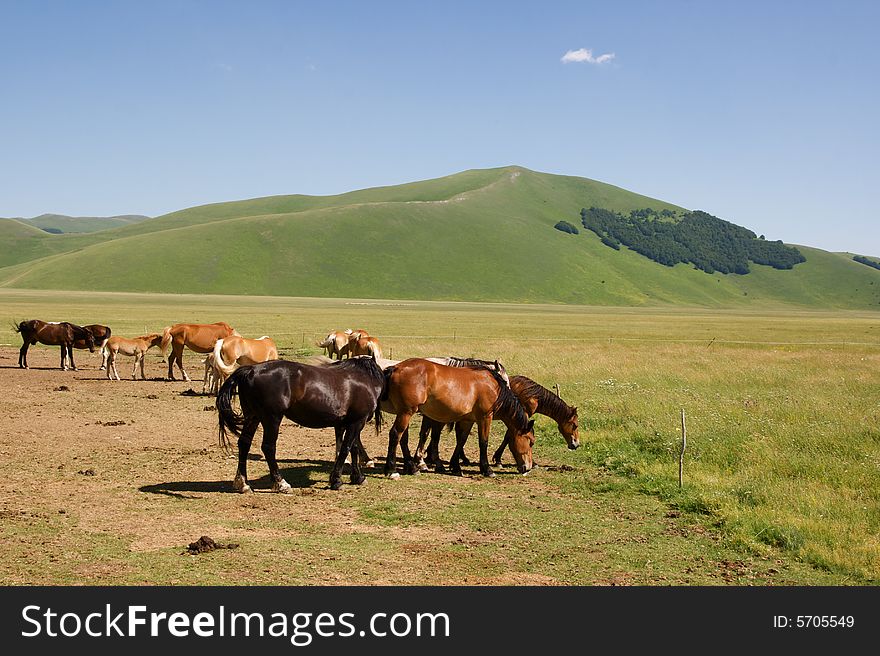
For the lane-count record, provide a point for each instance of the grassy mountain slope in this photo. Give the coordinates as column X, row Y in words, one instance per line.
column 480, row 235
column 80, row 224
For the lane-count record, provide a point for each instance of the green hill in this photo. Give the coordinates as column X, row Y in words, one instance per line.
column 482, row 235
column 81, row 224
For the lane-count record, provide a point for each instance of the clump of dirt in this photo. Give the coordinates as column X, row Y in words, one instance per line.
column 152, row 396
column 210, row 408
column 190, row 392
column 205, row 544
column 118, row 422
column 62, row 388
column 87, row 472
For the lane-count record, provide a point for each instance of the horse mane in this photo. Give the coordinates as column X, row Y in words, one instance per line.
column 468, row 362
column 507, row 405
column 366, row 364
column 549, row 403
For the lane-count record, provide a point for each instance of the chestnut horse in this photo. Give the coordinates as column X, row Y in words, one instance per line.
column 344, row 395
column 198, row 337
column 535, row 398
column 136, row 347
column 238, row 351
column 466, row 396
column 364, row 345
column 62, row 334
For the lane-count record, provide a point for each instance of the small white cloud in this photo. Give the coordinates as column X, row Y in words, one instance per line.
column 585, row 55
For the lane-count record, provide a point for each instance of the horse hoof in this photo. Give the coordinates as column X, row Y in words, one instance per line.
column 282, row 487
column 358, row 481
column 370, row 464
column 456, row 472
column 423, row 466
column 335, row 485
column 243, row 489
column 393, row 476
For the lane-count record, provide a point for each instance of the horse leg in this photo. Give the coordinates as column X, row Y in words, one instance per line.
column 420, row 449
column 401, row 424
column 434, row 449
column 22, row 354
column 270, row 439
column 346, row 446
column 357, row 454
column 70, row 356
column 180, row 364
column 63, row 358
column 143, row 355
column 496, row 457
column 134, row 367
column 484, row 427
column 240, row 482
column 409, row 464
column 462, row 430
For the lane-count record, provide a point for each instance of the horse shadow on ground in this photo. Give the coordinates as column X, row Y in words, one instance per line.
column 298, row 477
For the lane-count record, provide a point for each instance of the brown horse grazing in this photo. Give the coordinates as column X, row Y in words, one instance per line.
column 101, row 335
column 232, row 352
column 136, row 347
column 62, row 334
column 198, row 337
column 344, row 395
column 336, row 343
column 534, row 398
column 466, row 396
column 364, row 345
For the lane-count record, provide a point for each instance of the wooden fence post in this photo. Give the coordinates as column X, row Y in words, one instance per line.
column 681, row 453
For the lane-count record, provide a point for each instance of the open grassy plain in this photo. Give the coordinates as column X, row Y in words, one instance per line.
column 108, row 482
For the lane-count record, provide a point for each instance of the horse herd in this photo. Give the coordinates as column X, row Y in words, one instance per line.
column 345, row 394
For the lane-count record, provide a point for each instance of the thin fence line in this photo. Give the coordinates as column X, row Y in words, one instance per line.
column 613, row 339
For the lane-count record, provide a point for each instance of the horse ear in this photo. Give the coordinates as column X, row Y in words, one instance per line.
column 531, row 426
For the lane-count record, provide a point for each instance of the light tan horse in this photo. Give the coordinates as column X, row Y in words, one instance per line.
column 136, row 347
column 364, row 345
column 198, row 337
column 237, row 351
column 336, row 343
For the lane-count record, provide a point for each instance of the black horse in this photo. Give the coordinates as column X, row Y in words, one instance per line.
column 344, row 395
column 62, row 334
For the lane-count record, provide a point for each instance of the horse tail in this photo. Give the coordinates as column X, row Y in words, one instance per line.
column 229, row 419
column 377, row 418
column 18, row 327
column 219, row 364
column 374, row 349
column 386, row 373
column 166, row 341
column 327, row 341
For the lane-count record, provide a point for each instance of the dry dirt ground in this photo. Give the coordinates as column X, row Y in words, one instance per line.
column 108, row 482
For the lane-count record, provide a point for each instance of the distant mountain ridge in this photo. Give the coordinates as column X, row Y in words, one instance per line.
column 80, row 224
column 479, row 235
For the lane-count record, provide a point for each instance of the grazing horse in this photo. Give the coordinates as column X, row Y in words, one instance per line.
column 344, row 395
column 336, row 343
column 136, row 347
column 535, row 398
column 465, row 396
column 198, row 337
column 62, row 334
column 364, row 345
column 101, row 335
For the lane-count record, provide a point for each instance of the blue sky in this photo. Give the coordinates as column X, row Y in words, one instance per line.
column 762, row 113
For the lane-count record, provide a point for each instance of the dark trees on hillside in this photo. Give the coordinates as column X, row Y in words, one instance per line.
column 861, row 259
column 709, row 243
column 565, row 226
